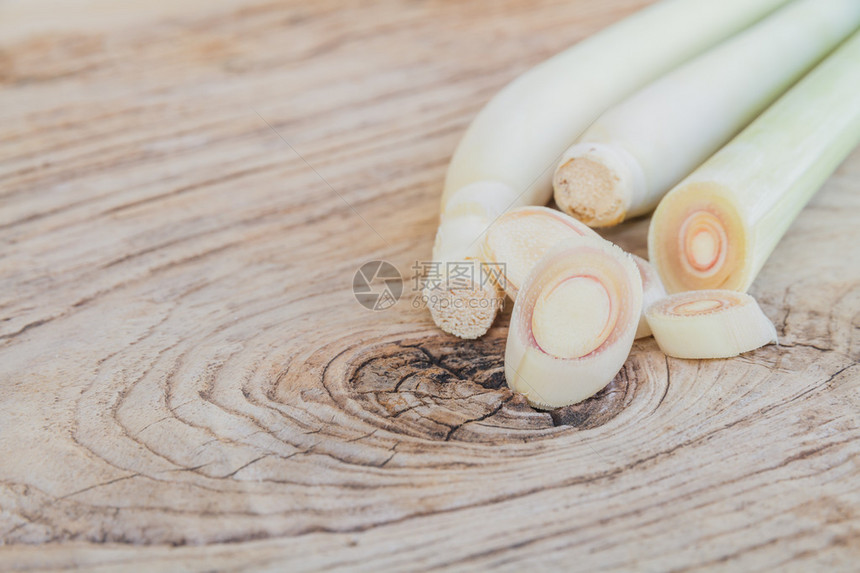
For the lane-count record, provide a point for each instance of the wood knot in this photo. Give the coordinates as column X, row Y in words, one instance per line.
column 443, row 388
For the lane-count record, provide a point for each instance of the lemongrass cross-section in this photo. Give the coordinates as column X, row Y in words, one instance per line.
column 709, row 324
column 573, row 322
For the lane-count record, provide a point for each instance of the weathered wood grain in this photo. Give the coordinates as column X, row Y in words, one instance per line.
column 186, row 382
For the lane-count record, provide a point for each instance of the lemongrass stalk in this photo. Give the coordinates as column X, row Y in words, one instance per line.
column 514, row 142
column 519, row 238
column 635, row 152
column 516, row 137
column 467, row 217
column 466, row 310
column 573, row 322
column 652, row 291
column 718, row 227
column 709, row 324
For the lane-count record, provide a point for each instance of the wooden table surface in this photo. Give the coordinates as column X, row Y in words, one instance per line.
column 186, row 381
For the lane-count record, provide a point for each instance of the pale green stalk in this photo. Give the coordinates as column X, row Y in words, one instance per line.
column 718, row 227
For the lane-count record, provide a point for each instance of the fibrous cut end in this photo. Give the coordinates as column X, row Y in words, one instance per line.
column 596, row 183
column 586, row 189
column 465, row 310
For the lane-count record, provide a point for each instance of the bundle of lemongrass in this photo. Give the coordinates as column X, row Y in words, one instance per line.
column 713, row 67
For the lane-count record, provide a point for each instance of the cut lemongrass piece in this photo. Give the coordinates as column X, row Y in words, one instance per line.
column 709, row 324
column 652, row 291
column 573, row 322
column 717, row 228
column 517, row 240
column 637, row 150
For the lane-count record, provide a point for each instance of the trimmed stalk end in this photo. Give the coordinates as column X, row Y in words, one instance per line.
column 596, row 184
column 467, row 310
column 698, row 240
